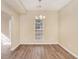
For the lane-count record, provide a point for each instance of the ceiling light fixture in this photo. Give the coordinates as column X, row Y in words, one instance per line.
column 40, row 17
column 39, row 3
column 39, row 0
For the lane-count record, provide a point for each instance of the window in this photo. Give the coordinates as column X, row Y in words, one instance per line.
column 39, row 28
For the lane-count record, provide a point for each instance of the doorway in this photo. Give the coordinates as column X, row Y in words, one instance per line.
column 5, row 35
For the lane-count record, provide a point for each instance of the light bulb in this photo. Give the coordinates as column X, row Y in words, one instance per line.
column 36, row 17
column 43, row 17
column 40, row 17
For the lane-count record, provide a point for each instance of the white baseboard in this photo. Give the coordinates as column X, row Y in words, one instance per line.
column 38, row 43
column 12, row 49
column 68, row 50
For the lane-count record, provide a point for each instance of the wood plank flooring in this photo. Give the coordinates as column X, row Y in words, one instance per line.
column 40, row 52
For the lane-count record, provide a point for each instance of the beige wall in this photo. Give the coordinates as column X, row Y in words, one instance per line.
column 5, row 24
column 15, row 24
column 68, row 27
column 27, row 35
column 15, row 35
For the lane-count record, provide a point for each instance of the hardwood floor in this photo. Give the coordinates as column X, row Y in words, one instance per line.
column 40, row 52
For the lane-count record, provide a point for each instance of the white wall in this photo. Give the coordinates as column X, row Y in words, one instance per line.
column 27, row 35
column 15, row 34
column 68, row 27
column 15, row 24
column 5, row 24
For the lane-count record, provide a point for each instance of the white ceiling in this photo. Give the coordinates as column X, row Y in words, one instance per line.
column 46, row 4
column 14, row 4
column 29, row 5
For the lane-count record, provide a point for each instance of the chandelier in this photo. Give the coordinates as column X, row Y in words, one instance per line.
column 40, row 17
